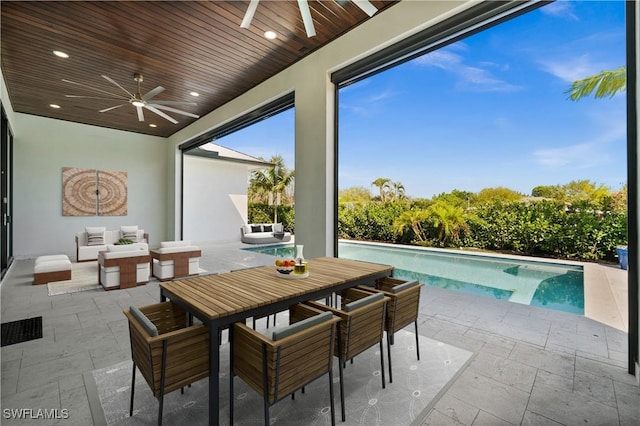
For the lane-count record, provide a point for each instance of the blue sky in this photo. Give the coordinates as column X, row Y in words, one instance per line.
column 490, row 110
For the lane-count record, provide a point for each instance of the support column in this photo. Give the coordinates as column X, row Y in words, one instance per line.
column 314, row 163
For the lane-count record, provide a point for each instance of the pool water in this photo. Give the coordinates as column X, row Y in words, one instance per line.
column 535, row 283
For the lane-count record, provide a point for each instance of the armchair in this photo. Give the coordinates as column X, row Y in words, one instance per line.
column 175, row 259
column 291, row 359
column 402, row 309
column 124, row 266
column 361, row 327
column 168, row 351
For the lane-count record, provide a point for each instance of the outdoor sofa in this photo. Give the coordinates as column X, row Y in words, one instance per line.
column 264, row 233
column 95, row 239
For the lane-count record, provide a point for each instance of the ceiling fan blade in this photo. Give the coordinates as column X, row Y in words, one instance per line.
column 248, row 16
column 97, row 90
column 173, row 103
column 110, row 80
column 151, row 93
column 160, row 113
column 140, row 114
column 113, row 107
column 366, row 6
column 177, row 111
column 89, row 97
column 306, row 18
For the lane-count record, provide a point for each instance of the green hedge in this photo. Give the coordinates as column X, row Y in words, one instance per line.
column 263, row 213
column 542, row 228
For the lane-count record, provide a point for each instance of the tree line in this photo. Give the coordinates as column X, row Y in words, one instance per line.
column 579, row 220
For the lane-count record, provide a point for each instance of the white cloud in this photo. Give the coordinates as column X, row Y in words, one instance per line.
column 587, row 154
column 573, row 69
column 368, row 102
column 469, row 77
column 583, row 153
column 381, row 96
column 560, row 9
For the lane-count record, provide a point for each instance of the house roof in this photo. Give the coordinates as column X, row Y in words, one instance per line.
column 221, row 153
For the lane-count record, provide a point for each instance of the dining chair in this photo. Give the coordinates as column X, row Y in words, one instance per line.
column 292, row 358
column 402, row 309
column 362, row 316
column 169, row 352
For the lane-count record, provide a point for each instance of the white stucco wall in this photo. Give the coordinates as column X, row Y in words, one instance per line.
column 215, row 199
column 43, row 146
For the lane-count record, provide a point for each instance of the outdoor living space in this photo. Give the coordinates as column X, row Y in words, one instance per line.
column 526, row 365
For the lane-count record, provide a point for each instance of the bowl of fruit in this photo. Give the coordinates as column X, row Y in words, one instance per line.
column 285, row 266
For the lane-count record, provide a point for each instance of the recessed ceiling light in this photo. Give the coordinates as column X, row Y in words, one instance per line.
column 54, row 106
column 60, row 54
column 153, row 125
column 271, row 35
column 194, row 94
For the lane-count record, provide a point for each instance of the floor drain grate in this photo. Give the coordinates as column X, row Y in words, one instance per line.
column 21, row 331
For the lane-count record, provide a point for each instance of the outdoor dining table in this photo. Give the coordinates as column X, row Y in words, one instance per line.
column 222, row 299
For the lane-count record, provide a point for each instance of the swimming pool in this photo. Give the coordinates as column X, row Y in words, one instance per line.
column 550, row 285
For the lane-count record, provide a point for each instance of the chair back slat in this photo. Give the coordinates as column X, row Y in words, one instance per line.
column 403, row 306
column 187, row 357
column 363, row 330
column 301, row 362
column 407, row 305
column 292, row 362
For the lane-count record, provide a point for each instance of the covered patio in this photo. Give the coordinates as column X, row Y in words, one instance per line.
column 529, row 365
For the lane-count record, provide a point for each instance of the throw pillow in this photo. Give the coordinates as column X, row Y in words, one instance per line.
column 278, row 227
column 256, row 228
column 95, row 236
column 267, row 228
column 129, row 232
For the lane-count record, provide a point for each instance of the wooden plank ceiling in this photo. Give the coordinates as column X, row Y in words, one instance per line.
column 184, row 46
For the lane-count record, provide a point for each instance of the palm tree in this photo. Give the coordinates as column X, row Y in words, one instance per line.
column 273, row 180
column 411, row 219
column 398, row 190
column 606, row 83
column 450, row 220
column 384, row 184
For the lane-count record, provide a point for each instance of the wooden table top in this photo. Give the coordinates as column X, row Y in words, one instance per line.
column 217, row 296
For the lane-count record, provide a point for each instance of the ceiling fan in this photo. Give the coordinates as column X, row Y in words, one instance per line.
column 138, row 100
column 364, row 5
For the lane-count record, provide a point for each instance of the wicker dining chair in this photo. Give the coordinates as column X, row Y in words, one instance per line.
column 169, row 352
column 361, row 327
column 402, row 309
column 294, row 357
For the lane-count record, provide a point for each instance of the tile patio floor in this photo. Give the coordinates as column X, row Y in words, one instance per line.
column 531, row 366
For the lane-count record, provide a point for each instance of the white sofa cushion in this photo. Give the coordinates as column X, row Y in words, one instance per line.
column 52, row 266
column 110, row 277
column 51, row 257
column 165, row 269
column 126, row 250
column 167, row 244
column 177, row 249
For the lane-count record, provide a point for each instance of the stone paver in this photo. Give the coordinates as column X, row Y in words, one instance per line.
column 532, row 366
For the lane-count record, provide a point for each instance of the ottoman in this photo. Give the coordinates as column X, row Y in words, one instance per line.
column 51, row 268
